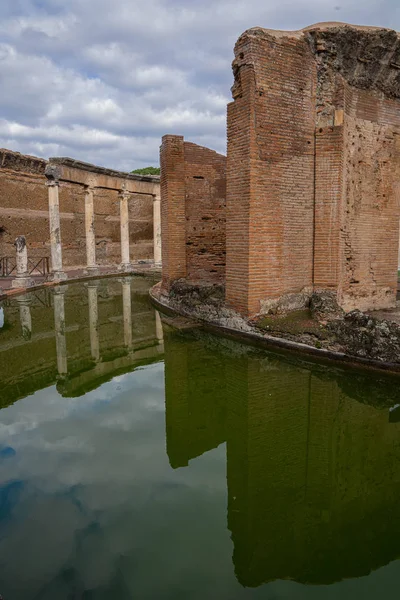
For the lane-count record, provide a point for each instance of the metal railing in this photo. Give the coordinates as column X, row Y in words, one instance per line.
column 36, row 266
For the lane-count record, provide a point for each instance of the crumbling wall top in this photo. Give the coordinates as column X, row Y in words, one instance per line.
column 367, row 57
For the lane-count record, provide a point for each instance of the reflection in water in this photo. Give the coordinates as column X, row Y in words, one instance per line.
column 313, row 474
column 67, row 342
column 59, row 326
column 93, row 320
column 304, row 459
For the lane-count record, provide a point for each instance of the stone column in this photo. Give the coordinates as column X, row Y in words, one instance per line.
column 22, row 279
column 127, row 311
column 93, row 320
column 157, row 229
column 124, row 216
column 90, row 232
column 59, row 327
column 55, row 235
column 25, row 316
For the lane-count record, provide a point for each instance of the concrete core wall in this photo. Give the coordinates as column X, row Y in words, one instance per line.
column 24, row 209
column 193, row 196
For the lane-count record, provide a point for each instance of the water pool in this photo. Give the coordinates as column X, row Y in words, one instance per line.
column 139, row 461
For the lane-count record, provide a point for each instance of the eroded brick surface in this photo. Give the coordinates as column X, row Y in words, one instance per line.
column 193, row 196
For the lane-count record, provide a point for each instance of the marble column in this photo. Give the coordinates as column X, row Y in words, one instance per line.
column 157, row 229
column 93, row 320
column 91, row 266
column 127, row 311
column 22, row 279
column 59, row 327
column 55, row 235
column 25, row 316
column 124, row 218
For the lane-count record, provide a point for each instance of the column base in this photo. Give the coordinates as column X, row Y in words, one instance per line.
column 22, row 282
column 125, row 267
column 58, row 276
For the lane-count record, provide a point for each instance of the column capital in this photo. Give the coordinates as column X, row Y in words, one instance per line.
column 52, row 174
column 124, row 194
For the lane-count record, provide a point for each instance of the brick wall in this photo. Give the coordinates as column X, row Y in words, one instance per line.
column 193, row 191
column 270, row 170
column 312, row 174
column 24, row 211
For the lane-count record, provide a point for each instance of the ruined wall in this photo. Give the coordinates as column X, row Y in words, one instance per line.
column 313, row 167
column 357, row 164
column 24, row 211
column 270, row 192
column 193, row 191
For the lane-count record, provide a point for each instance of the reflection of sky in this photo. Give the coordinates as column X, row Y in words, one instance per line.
column 89, row 502
column 90, row 490
column 1, row 317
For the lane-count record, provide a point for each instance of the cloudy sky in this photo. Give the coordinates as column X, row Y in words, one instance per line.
column 103, row 80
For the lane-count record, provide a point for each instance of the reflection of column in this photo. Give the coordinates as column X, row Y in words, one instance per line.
column 55, row 235
column 124, row 217
column 157, row 229
column 25, row 316
column 59, row 326
column 159, row 329
column 22, row 279
column 89, row 230
column 93, row 320
column 127, row 311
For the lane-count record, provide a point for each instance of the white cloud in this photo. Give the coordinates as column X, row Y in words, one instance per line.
column 103, row 81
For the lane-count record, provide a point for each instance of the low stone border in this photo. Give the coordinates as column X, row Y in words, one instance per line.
column 11, row 292
column 273, row 343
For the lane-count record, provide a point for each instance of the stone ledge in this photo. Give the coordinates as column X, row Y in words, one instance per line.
column 83, row 166
column 250, row 335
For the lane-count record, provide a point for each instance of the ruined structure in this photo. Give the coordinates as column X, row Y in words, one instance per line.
column 193, row 187
column 312, row 174
column 86, row 216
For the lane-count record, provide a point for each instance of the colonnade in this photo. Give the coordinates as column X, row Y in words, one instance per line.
column 90, row 234
column 25, row 302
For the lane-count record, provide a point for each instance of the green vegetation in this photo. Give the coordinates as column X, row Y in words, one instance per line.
column 147, row 171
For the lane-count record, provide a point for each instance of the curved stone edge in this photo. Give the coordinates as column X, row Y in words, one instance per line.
column 11, row 293
column 269, row 342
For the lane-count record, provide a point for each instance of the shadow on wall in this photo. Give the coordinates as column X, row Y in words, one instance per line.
column 312, row 459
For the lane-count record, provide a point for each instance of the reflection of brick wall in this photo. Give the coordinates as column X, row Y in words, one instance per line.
column 193, row 190
column 24, row 211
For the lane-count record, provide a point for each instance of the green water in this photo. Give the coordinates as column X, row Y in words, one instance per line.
column 141, row 462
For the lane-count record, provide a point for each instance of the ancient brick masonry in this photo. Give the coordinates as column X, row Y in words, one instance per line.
column 24, row 209
column 313, row 173
column 193, row 191
column 313, row 167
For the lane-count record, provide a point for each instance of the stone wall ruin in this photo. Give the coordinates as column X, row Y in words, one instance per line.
column 24, row 209
column 313, row 168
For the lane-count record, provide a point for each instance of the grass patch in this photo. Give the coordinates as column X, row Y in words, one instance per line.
column 297, row 322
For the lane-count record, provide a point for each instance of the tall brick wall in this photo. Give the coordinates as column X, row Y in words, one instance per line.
column 193, row 192
column 313, row 167
column 312, row 174
column 270, row 170
column 24, row 211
